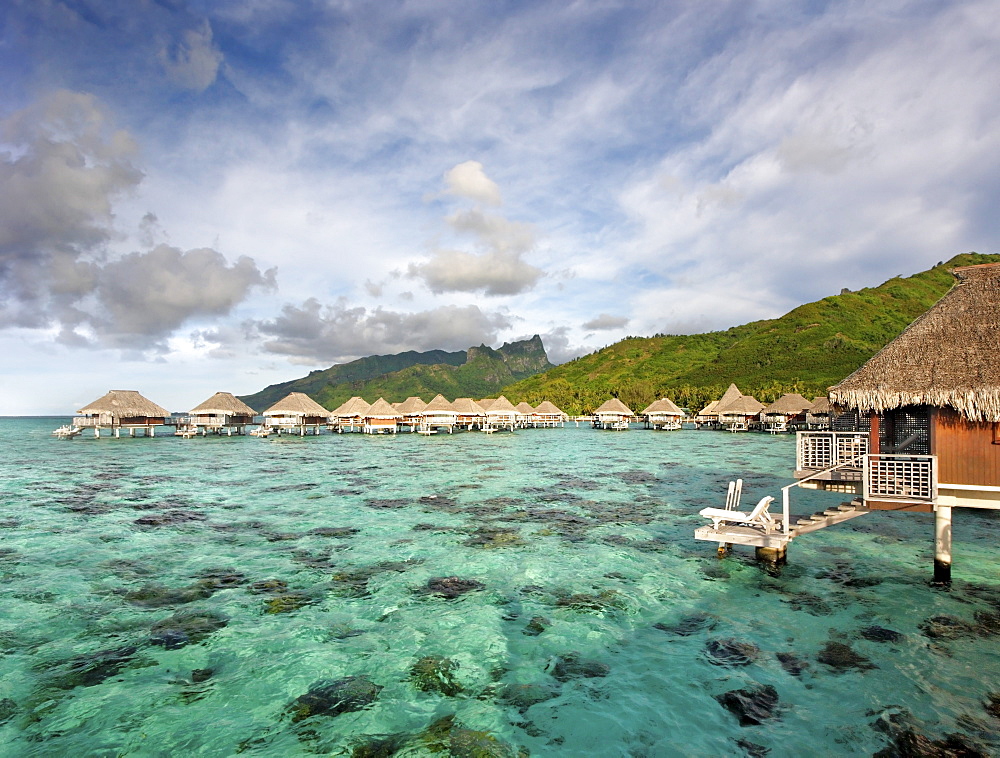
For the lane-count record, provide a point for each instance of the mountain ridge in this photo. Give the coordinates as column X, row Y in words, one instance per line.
column 478, row 371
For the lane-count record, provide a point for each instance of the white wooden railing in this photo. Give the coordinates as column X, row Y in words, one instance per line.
column 815, row 451
column 905, row 478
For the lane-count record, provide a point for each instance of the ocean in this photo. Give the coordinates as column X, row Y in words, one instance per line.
column 537, row 593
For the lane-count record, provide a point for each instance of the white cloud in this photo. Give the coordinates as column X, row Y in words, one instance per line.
column 468, row 180
column 193, row 62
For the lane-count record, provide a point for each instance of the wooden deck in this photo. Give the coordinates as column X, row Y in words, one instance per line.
column 742, row 534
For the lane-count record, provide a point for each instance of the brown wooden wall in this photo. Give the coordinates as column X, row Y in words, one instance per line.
column 965, row 450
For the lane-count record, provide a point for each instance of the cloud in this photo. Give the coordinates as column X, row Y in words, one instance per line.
column 64, row 168
column 558, row 346
column 315, row 333
column 499, row 270
column 150, row 295
column 339, row 332
column 495, row 273
column 468, row 180
column 193, row 63
column 606, row 321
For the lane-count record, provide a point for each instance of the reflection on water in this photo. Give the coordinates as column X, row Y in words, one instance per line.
column 471, row 595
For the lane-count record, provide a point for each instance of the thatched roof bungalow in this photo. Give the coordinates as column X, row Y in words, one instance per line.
column 818, row 415
column 739, row 413
column 350, row 415
column 470, row 413
column 935, row 389
column 122, row 409
column 438, row 414
column 663, row 414
column 296, row 411
column 525, row 414
column 790, row 408
column 613, row 414
column 501, row 414
column 381, row 418
column 548, row 413
column 932, row 398
column 410, row 410
column 223, row 412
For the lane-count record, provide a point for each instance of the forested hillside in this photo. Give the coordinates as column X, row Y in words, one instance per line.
column 805, row 351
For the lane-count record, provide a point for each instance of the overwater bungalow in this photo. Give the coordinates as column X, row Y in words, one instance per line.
column 349, row 416
column 662, row 414
column 707, row 416
column 470, row 414
column 929, row 402
column 381, row 418
column 122, row 409
column 739, row 414
column 501, row 414
column 547, row 414
column 410, row 410
column 223, row 413
column 818, row 415
column 785, row 413
column 438, row 414
column 613, row 414
column 525, row 414
column 296, row 412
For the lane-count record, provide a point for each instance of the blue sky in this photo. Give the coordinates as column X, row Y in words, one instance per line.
column 204, row 196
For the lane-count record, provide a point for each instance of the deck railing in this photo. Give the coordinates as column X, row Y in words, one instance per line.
column 903, row 478
column 816, row 451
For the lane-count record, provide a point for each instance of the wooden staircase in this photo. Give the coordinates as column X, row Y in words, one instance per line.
column 829, row 517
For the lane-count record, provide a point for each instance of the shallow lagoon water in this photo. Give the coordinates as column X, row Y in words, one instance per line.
column 166, row 597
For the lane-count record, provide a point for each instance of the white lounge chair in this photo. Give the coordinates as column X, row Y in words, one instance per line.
column 759, row 516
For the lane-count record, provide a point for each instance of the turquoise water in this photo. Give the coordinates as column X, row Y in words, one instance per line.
column 170, row 597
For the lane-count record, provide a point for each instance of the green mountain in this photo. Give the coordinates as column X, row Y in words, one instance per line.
column 806, row 350
column 476, row 372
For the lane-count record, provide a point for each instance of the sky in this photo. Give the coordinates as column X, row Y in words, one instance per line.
column 217, row 195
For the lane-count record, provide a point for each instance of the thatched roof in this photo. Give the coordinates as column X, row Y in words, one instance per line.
column 949, row 357
column 820, row 406
column 614, row 405
column 744, row 405
column 709, row 410
column 548, row 408
column 501, row 405
column 223, row 403
column 730, row 395
column 789, row 404
column 356, row 407
column 125, row 404
column 381, row 409
column 486, row 403
column 466, row 406
column 663, row 406
column 412, row 405
column 439, row 403
column 526, row 408
column 297, row 404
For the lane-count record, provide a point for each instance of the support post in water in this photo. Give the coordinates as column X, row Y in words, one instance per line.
column 942, row 544
column 774, row 555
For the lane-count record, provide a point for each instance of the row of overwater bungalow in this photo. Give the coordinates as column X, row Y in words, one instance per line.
column 736, row 412
column 441, row 415
column 297, row 413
